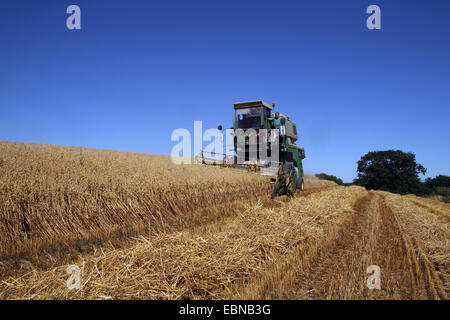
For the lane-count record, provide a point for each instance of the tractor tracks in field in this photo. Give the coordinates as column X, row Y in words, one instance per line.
column 337, row 271
column 373, row 236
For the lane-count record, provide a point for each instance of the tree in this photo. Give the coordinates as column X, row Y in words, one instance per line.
column 392, row 170
column 324, row 176
column 438, row 181
column 438, row 186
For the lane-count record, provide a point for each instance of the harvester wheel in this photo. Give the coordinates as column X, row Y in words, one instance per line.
column 300, row 184
column 292, row 182
column 286, row 182
column 291, row 189
column 279, row 183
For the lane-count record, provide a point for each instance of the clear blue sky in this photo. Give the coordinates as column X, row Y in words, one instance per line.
column 137, row 70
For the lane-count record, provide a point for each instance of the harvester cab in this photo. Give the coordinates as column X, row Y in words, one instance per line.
column 287, row 170
column 252, row 115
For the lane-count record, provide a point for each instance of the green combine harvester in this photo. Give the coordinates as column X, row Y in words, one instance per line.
column 257, row 115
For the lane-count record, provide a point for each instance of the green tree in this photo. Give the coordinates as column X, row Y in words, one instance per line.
column 392, row 170
column 438, row 181
column 439, row 185
column 324, row 176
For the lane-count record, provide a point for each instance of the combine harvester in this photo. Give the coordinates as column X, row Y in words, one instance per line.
column 251, row 117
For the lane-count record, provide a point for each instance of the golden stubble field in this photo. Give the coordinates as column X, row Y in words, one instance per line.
column 139, row 227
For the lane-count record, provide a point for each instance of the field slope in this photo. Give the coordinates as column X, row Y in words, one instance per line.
column 139, row 227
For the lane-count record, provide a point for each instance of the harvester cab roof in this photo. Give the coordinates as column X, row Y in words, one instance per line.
column 252, row 104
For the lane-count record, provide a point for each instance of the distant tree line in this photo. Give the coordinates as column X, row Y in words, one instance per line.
column 324, row 176
column 438, row 186
column 398, row 172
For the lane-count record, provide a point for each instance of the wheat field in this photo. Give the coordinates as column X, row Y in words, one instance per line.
column 140, row 227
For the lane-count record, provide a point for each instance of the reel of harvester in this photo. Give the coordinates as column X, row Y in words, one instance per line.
column 227, row 161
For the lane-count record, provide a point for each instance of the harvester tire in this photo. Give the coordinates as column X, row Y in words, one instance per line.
column 286, row 182
column 280, row 183
column 300, row 184
column 292, row 183
column 292, row 187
